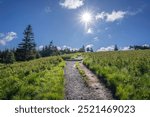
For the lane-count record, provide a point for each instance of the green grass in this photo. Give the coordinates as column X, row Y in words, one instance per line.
column 71, row 56
column 34, row 80
column 82, row 73
column 126, row 73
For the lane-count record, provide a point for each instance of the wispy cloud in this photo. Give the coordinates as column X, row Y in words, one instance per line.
column 40, row 47
column 109, row 48
column 71, row 4
column 111, row 17
column 89, row 46
column 132, row 13
column 68, row 47
column 48, row 9
column 96, row 39
column 59, row 48
column 90, row 31
column 101, row 16
column 125, row 48
column 4, row 38
column 2, row 42
column 116, row 15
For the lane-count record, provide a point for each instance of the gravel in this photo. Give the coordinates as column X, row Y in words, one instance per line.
column 77, row 89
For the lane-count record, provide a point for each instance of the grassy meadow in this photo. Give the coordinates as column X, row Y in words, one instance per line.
column 33, row 80
column 126, row 73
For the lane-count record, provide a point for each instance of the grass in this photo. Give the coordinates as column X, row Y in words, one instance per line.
column 127, row 73
column 82, row 73
column 40, row 79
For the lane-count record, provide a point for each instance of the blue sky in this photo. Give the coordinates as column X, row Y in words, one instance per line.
column 121, row 22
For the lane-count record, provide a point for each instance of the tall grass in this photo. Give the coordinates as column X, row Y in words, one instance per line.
column 33, row 80
column 126, row 73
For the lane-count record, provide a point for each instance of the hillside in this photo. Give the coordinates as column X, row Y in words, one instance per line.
column 125, row 73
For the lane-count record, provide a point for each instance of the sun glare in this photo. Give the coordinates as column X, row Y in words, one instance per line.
column 86, row 17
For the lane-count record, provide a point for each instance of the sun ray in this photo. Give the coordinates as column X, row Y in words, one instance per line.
column 86, row 18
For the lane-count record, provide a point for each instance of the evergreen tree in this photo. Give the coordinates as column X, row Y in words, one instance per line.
column 27, row 48
column 7, row 56
column 88, row 49
column 10, row 57
column 1, row 55
column 91, row 50
column 49, row 50
column 116, row 48
column 82, row 49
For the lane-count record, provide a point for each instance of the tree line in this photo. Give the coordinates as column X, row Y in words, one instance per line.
column 26, row 50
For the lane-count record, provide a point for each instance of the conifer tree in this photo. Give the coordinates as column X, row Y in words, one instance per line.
column 27, row 48
column 116, row 48
column 10, row 57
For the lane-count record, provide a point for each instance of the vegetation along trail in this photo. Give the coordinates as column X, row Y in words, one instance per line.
column 76, row 88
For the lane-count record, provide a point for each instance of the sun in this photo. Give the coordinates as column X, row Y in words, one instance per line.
column 86, row 17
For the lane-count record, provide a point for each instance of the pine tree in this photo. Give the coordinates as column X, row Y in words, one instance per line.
column 88, row 49
column 49, row 50
column 10, row 57
column 116, row 48
column 91, row 50
column 82, row 49
column 27, row 48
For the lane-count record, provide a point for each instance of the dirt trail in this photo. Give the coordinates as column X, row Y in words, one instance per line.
column 77, row 89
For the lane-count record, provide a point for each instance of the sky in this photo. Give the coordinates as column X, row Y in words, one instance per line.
column 72, row 23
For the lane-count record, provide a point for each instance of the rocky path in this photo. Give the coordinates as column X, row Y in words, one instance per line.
column 77, row 89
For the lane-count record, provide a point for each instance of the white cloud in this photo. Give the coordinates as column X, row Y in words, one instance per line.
column 100, row 16
column 2, row 42
column 10, row 36
column 90, row 31
column 74, row 49
column 111, row 17
column 68, row 47
column 146, row 45
column 40, row 47
column 4, row 38
column 64, row 46
column 115, row 15
column 72, row 4
column 132, row 13
column 89, row 46
column 109, row 48
column 59, row 48
column 125, row 48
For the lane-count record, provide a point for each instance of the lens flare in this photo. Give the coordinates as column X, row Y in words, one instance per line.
column 86, row 17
